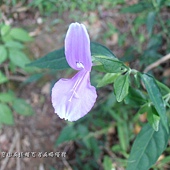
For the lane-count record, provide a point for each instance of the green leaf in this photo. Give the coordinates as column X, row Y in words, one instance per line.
column 100, row 50
column 147, row 147
column 136, row 8
column 135, row 97
column 53, row 60
column 156, row 97
column 150, row 21
column 111, row 65
column 3, row 54
column 82, row 130
column 6, row 114
column 68, row 133
column 18, row 58
column 4, row 30
column 143, row 109
column 7, row 97
column 22, row 107
column 3, row 78
column 123, row 135
column 20, row 34
column 92, row 144
column 153, row 117
column 108, row 79
column 107, row 163
column 121, row 87
column 14, row 44
column 57, row 60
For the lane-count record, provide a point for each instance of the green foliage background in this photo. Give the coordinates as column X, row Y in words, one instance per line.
column 121, row 107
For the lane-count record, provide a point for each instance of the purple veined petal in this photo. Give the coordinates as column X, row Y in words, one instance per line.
column 73, row 98
column 77, row 47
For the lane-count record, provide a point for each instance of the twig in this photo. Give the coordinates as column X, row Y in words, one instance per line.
column 157, row 63
column 17, row 78
column 18, row 147
column 15, row 139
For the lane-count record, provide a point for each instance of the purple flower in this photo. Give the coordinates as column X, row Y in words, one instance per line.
column 73, row 98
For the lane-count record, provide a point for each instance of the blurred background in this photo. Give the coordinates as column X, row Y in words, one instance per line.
column 136, row 31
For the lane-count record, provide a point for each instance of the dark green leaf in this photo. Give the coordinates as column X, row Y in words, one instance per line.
column 147, row 147
column 150, row 21
column 82, row 130
column 6, row 114
column 156, row 97
column 22, row 107
column 135, row 97
column 53, row 60
column 121, row 87
column 136, row 8
column 92, row 144
column 68, row 133
column 57, row 60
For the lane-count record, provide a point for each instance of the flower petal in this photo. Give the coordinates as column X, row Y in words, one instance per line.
column 73, row 98
column 77, row 47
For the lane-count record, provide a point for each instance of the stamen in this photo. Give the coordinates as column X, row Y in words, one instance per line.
column 74, row 89
column 79, row 65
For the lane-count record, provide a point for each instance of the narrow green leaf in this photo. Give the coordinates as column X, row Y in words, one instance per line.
column 68, row 133
column 3, row 54
column 6, row 114
column 147, row 147
column 22, row 107
column 150, row 21
column 20, row 34
column 123, row 135
column 121, row 87
column 57, row 60
column 3, row 78
column 108, row 79
column 136, row 8
column 53, row 60
column 107, row 163
column 156, row 97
